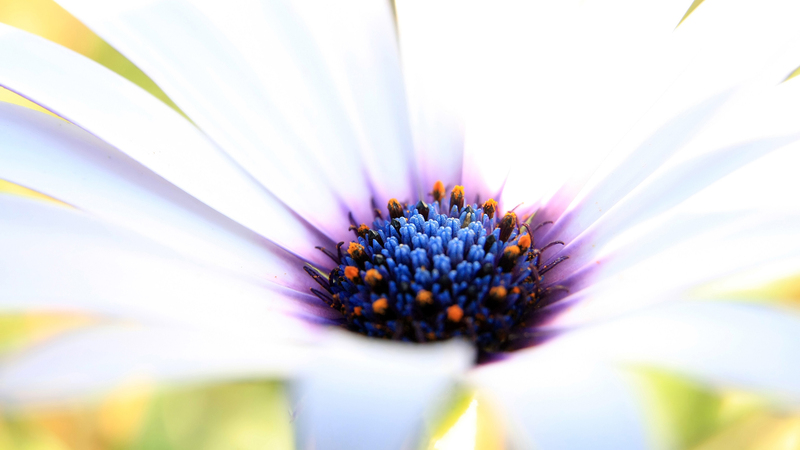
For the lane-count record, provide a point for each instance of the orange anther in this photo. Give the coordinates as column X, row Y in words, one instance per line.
column 357, row 310
column 424, row 297
column 351, row 273
column 512, row 251
column 356, row 251
column 489, row 208
column 498, row 293
column 457, row 197
column 373, row 277
column 438, row 191
column 507, row 225
column 354, row 248
column 509, row 258
column 524, row 242
column 380, row 305
column 395, row 209
column 455, row 313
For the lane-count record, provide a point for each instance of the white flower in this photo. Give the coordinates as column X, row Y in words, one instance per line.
column 665, row 157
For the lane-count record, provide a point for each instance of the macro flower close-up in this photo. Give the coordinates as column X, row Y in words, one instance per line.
column 396, row 225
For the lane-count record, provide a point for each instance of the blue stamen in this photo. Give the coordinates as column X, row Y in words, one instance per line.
column 421, row 275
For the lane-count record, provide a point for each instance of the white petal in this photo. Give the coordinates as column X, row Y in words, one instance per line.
column 298, row 58
column 128, row 118
column 59, row 258
column 669, row 260
column 660, row 194
column 770, row 111
column 601, row 86
column 295, row 82
column 574, row 378
column 559, row 83
column 773, row 192
column 91, row 361
column 762, row 111
column 206, row 75
column 716, row 180
column 645, row 160
column 357, row 40
column 737, row 41
column 556, row 401
column 738, row 345
column 367, row 394
column 435, row 40
column 57, row 158
column 679, row 183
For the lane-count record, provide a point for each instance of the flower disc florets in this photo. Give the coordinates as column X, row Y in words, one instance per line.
column 432, row 271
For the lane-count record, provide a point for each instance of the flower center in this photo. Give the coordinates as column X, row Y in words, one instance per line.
column 433, row 271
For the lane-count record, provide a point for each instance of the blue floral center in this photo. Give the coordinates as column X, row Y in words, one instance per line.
column 432, row 271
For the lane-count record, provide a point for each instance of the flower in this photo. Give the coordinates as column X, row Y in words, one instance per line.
column 656, row 152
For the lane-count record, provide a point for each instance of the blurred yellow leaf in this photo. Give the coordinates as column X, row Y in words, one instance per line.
column 242, row 416
column 683, row 413
column 764, row 431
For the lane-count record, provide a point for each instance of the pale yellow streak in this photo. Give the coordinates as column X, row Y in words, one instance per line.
column 7, row 187
column 461, row 436
column 12, row 97
column 491, row 431
column 764, row 431
column 781, row 289
column 794, row 73
column 691, row 9
column 21, row 330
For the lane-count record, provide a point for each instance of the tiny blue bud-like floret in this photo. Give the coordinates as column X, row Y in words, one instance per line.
column 433, row 271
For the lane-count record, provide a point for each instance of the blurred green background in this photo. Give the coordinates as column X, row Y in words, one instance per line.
column 256, row 414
